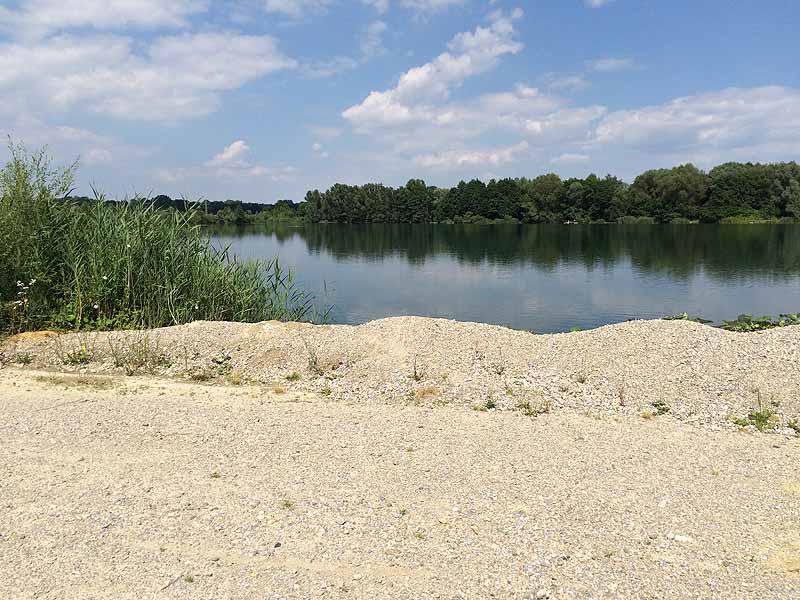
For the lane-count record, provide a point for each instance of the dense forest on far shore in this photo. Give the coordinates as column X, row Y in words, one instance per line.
column 729, row 193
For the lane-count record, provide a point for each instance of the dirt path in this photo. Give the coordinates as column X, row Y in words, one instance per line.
column 150, row 488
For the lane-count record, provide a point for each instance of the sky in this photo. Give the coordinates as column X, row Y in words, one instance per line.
column 260, row 100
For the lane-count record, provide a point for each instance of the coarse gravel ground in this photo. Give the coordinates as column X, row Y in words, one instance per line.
column 332, row 471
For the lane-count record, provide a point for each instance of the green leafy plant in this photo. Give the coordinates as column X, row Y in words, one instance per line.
column 747, row 323
column 762, row 417
column 77, row 356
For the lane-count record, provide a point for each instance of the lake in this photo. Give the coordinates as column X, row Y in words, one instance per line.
column 542, row 278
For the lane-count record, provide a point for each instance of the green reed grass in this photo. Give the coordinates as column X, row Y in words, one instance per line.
column 108, row 265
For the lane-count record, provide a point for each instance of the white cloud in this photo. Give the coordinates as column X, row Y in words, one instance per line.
column 597, row 3
column 67, row 143
column 760, row 123
column 420, row 6
column 372, row 39
column 296, row 8
column 454, row 159
column 382, row 6
column 429, row 6
column 569, row 158
column 41, row 17
column 605, row 65
column 559, row 83
column 330, row 67
column 232, row 155
column 370, row 43
column 319, row 150
column 232, row 163
column 175, row 77
column 470, row 53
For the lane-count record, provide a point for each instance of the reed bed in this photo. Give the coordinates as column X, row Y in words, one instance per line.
column 105, row 265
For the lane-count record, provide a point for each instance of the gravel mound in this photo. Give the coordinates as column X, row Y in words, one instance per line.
column 690, row 371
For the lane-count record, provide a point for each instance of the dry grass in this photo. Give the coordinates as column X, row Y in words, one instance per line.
column 79, row 381
column 426, row 393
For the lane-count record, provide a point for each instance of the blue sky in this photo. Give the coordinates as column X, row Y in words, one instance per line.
column 265, row 99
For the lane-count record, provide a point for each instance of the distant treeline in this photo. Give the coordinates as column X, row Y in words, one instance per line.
column 732, row 192
column 233, row 212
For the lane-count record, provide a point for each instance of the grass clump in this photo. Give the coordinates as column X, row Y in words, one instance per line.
column 762, row 418
column 120, row 265
column 137, row 353
column 77, row 356
column 23, row 359
column 534, row 409
column 294, row 376
column 486, row 406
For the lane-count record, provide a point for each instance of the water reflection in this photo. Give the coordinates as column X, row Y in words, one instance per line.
column 542, row 277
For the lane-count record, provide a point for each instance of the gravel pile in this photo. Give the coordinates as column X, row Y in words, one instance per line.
column 690, row 371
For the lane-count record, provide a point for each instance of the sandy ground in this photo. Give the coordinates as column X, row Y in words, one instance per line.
column 143, row 487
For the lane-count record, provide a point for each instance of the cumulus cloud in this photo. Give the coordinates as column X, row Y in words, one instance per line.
column 470, row 53
column 232, row 155
column 233, row 162
column 67, row 142
column 42, row 17
column 455, row 159
column 761, row 123
column 175, row 77
column 597, row 3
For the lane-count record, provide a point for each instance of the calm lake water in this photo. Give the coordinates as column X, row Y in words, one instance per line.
column 544, row 278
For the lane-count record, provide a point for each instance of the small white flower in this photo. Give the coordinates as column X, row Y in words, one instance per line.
column 96, row 306
column 105, row 278
column 196, row 307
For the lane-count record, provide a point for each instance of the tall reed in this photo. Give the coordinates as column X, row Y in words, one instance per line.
column 106, row 265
